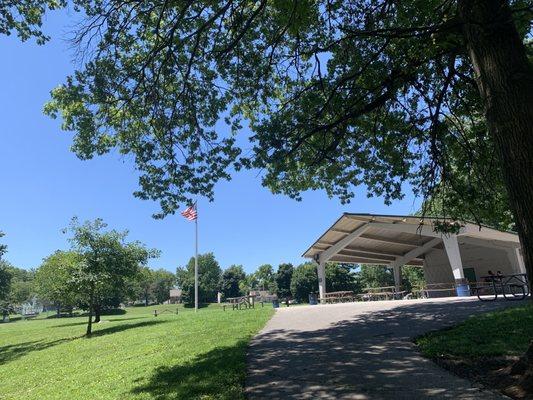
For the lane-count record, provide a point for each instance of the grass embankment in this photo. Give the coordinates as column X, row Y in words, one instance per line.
column 485, row 347
column 499, row 333
column 130, row 356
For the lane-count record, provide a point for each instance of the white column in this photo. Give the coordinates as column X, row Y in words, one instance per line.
column 516, row 260
column 454, row 256
column 397, row 277
column 321, row 268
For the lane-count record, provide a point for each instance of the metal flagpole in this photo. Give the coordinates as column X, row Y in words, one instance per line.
column 196, row 261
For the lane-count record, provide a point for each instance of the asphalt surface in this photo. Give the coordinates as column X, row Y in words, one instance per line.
column 359, row 351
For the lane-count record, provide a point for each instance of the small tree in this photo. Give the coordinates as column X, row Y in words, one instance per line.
column 266, row 278
column 208, row 279
column 375, row 276
column 304, row 281
column 53, row 279
column 412, row 277
column 283, row 280
column 341, row 277
column 231, row 281
column 143, row 285
column 163, row 281
column 5, row 287
column 107, row 262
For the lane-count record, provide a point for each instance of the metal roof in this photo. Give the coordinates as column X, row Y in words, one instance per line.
column 381, row 239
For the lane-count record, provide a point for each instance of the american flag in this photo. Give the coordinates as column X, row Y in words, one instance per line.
column 190, row 213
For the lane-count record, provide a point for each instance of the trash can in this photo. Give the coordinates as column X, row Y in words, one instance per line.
column 462, row 289
column 312, row 299
column 275, row 303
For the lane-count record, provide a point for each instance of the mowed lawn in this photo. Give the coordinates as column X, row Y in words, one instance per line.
column 130, row 356
column 499, row 333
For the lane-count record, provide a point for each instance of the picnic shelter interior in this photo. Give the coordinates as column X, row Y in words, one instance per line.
column 449, row 261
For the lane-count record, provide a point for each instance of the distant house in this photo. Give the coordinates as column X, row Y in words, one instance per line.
column 175, row 296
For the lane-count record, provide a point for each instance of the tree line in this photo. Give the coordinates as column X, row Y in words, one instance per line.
column 102, row 270
column 287, row 282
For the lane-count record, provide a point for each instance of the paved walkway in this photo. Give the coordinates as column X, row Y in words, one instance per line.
column 358, row 351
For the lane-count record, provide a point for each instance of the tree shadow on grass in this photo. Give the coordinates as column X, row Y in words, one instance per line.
column 103, row 321
column 14, row 351
column 219, row 373
column 125, row 327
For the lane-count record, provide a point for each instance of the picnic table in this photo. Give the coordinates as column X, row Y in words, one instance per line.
column 240, row 302
column 383, row 293
column 512, row 287
column 425, row 291
column 338, row 297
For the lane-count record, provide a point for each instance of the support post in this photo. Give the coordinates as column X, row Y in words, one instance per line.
column 398, row 277
column 454, row 257
column 516, row 260
column 321, row 269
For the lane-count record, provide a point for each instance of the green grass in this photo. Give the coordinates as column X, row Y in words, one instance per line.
column 130, row 356
column 499, row 333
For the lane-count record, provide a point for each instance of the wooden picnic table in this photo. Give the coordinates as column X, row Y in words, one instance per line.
column 424, row 291
column 383, row 293
column 340, row 296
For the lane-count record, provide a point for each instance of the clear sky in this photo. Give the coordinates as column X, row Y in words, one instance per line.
column 43, row 185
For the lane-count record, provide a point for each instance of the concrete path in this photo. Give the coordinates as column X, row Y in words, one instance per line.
column 358, row 351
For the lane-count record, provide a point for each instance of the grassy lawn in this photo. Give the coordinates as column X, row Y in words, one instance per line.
column 130, row 356
column 495, row 334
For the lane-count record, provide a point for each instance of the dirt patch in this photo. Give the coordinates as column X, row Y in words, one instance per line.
column 493, row 373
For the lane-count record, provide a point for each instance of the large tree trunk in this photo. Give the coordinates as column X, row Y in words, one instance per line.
column 97, row 312
column 505, row 82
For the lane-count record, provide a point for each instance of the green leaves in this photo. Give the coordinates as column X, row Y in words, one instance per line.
column 24, row 17
column 336, row 94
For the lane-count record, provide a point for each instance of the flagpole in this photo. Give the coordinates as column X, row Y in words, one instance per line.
column 196, row 262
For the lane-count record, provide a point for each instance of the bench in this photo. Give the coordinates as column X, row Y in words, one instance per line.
column 425, row 291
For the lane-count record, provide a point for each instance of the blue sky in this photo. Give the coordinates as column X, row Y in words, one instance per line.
column 43, row 185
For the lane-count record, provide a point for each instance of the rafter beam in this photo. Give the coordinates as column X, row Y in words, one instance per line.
column 374, row 251
column 387, row 240
column 365, row 255
column 341, row 244
column 423, row 230
column 415, row 252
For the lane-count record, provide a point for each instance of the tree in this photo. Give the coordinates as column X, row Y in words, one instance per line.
column 107, row 262
column 144, row 285
column 208, row 279
column 304, row 281
column 5, row 288
column 371, row 276
column 336, row 93
column 249, row 283
column 22, row 286
column 412, row 277
column 163, row 281
column 53, row 279
column 25, row 17
column 230, row 282
column 283, row 280
column 340, row 277
column 3, row 247
column 266, row 278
